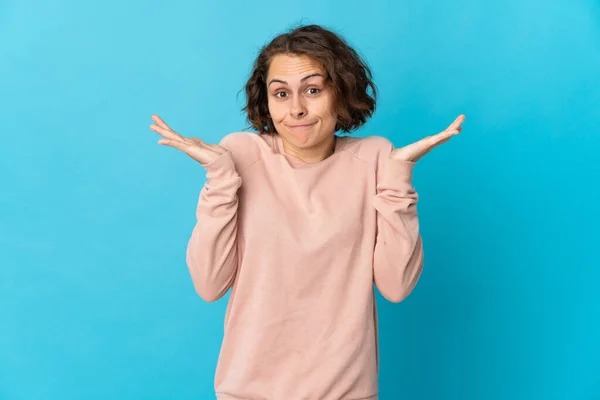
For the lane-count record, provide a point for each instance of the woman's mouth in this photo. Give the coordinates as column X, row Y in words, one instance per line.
column 300, row 127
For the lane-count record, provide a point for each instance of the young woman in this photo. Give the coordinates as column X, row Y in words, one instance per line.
column 302, row 224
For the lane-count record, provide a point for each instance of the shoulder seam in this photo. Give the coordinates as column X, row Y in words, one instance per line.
column 253, row 163
column 372, row 164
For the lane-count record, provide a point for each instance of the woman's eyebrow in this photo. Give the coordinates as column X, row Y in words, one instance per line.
column 301, row 80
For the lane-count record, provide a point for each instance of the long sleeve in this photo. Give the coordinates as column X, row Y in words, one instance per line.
column 211, row 254
column 398, row 255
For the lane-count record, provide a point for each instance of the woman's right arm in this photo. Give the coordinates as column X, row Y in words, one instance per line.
column 212, row 249
column 211, row 253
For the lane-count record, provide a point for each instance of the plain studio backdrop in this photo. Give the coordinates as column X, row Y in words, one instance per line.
column 96, row 301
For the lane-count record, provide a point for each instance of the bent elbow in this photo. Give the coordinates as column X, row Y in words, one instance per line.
column 211, row 277
column 208, row 294
column 397, row 290
column 210, row 290
column 396, row 296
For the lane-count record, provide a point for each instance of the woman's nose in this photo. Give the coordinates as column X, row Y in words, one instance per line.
column 297, row 109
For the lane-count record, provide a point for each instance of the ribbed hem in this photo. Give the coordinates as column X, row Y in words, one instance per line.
column 221, row 167
column 225, row 396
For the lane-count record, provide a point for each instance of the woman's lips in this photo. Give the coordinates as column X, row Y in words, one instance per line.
column 300, row 127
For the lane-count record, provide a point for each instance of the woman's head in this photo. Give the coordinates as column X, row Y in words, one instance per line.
column 310, row 76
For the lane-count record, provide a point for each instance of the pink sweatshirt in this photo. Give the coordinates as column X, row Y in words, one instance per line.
column 301, row 245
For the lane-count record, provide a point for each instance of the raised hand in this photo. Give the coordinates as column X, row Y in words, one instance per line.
column 200, row 151
column 415, row 151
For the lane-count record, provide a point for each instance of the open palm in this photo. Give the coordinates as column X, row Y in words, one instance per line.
column 415, row 151
column 199, row 150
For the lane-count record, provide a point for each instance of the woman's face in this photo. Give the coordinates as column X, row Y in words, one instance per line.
column 300, row 105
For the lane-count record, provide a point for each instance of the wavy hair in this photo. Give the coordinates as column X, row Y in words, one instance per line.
column 347, row 74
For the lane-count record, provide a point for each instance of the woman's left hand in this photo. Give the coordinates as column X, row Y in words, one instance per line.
column 415, row 151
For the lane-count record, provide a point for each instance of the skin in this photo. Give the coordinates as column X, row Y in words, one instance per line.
column 297, row 95
column 197, row 149
column 413, row 152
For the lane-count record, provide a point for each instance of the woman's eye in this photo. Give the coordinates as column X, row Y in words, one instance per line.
column 283, row 94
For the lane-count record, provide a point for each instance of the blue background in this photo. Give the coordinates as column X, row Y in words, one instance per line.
column 95, row 298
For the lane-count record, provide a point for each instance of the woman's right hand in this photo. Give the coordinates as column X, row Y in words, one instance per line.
column 200, row 151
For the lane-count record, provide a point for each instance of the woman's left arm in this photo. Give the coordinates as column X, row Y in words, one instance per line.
column 398, row 255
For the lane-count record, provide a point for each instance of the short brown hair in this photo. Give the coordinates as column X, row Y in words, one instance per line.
column 348, row 75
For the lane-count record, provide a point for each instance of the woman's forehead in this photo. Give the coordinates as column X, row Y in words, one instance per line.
column 294, row 67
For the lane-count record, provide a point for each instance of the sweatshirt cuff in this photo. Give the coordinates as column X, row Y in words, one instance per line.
column 221, row 167
column 398, row 171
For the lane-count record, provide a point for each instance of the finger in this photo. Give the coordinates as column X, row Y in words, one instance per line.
column 199, row 142
column 173, row 143
column 441, row 137
column 158, row 120
column 457, row 122
column 167, row 133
